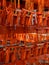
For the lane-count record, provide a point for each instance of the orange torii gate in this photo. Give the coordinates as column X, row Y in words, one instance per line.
column 15, row 3
column 9, row 15
column 32, row 5
column 40, row 9
column 29, row 4
column 3, row 3
column 18, row 4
